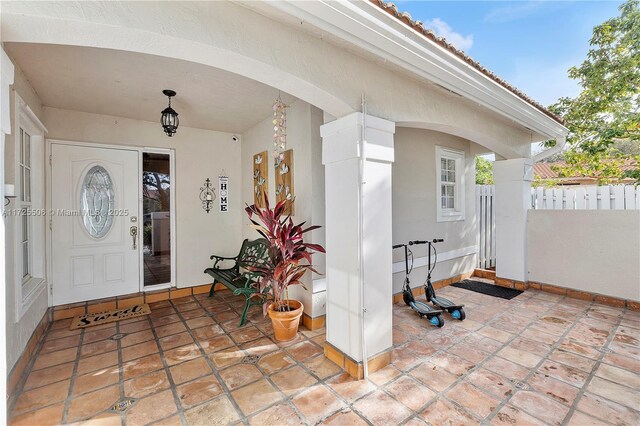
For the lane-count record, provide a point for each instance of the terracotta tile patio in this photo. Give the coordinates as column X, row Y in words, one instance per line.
column 537, row 359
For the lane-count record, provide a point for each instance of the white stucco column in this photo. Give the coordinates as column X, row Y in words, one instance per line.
column 513, row 198
column 358, row 233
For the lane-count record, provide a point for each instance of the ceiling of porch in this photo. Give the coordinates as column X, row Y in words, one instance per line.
column 126, row 84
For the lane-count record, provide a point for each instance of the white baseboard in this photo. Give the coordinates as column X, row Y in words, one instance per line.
column 447, row 255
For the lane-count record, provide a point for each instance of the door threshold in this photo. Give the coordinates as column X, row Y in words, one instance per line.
column 155, row 287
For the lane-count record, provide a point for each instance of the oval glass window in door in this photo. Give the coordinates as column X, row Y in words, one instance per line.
column 97, row 199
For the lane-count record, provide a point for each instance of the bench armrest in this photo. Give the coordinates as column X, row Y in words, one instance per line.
column 222, row 257
column 219, row 259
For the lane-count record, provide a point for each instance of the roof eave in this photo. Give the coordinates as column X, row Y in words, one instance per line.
column 418, row 26
column 369, row 27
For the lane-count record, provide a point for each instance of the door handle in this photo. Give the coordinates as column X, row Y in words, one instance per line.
column 133, row 231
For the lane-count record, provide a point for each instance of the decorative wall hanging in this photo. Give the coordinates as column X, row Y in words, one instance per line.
column 284, row 180
column 279, row 128
column 223, row 190
column 207, row 195
column 260, row 178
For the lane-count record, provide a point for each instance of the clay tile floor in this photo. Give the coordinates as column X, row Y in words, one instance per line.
column 533, row 360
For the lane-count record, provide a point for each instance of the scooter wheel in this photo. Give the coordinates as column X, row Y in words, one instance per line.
column 459, row 314
column 437, row 321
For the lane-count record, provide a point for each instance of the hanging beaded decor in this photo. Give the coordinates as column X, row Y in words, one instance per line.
column 279, row 128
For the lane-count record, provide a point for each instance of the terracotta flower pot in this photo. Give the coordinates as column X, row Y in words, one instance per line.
column 285, row 324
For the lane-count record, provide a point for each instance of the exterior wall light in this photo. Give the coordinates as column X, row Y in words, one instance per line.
column 169, row 118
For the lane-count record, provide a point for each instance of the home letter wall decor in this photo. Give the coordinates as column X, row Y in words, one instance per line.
column 223, row 190
column 284, row 180
column 260, row 178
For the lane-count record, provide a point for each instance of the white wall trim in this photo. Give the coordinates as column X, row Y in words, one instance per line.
column 319, row 285
column 419, row 262
column 156, row 287
column 28, row 299
column 26, row 110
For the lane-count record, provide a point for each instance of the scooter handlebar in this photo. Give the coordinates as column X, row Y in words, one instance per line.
column 398, row 246
column 418, row 242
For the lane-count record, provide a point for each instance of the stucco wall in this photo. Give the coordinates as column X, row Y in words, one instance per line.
column 303, row 136
column 414, row 204
column 232, row 37
column 199, row 154
column 18, row 331
column 590, row 250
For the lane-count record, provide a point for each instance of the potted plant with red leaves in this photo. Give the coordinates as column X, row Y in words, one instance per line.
column 289, row 259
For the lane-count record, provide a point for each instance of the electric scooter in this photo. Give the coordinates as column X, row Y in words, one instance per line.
column 433, row 315
column 454, row 309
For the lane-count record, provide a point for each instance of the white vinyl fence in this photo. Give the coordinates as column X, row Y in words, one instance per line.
column 487, row 226
column 609, row 197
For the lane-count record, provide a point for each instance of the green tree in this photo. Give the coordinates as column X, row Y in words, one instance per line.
column 484, row 171
column 625, row 148
column 607, row 110
column 608, row 107
column 605, row 167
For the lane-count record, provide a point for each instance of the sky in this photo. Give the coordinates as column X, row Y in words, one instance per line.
column 530, row 44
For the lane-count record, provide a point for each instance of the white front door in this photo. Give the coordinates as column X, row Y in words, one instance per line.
column 94, row 201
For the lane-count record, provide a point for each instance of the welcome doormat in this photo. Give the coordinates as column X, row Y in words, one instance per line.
column 488, row 289
column 89, row 320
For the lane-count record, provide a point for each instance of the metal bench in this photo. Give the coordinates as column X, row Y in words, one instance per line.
column 237, row 278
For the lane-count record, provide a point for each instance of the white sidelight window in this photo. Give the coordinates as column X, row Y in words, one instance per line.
column 24, row 200
column 450, row 184
column 28, row 212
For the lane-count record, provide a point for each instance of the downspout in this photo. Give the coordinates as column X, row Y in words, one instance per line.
column 363, row 310
column 560, row 143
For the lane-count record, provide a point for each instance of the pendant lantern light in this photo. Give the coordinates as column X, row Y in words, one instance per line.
column 169, row 118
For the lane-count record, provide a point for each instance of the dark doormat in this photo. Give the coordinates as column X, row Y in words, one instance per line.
column 488, row 289
column 100, row 318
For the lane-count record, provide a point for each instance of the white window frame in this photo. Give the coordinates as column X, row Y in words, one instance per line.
column 24, row 204
column 27, row 289
column 457, row 212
